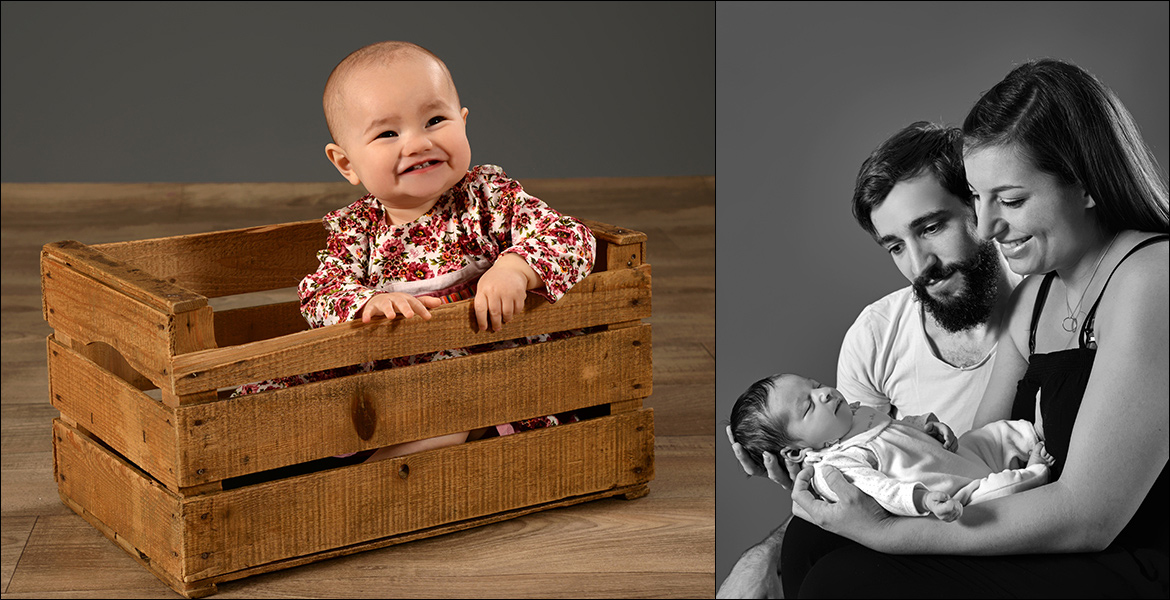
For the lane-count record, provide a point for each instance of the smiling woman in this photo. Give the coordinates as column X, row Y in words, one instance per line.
column 1066, row 186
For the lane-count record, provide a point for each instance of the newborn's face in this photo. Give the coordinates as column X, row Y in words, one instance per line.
column 817, row 415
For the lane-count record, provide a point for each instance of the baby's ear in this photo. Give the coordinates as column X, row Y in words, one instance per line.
column 794, row 455
column 337, row 156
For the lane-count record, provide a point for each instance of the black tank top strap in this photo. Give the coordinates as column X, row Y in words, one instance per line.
column 1088, row 340
column 1041, row 295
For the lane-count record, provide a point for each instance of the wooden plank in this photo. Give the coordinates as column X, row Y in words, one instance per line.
column 624, row 257
column 254, row 323
column 87, row 310
column 134, row 424
column 132, row 506
column 259, row 524
column 144, row 287
column 106, row 357
column 263, row 431
column 627, row 492
column 198, row 589
column 224, row 263
column 600, row 298
column 612, row 234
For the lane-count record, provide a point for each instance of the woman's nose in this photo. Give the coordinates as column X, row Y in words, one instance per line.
column 988, row 223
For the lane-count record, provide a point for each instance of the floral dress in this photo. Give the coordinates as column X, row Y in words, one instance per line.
column 442, row 253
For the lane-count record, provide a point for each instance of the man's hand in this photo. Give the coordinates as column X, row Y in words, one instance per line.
column 502, row 290
column 855, row 515
column 777, row 470
column 391, row 304
column 942, row 432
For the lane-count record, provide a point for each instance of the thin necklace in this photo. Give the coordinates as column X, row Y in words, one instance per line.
column 1070, row 322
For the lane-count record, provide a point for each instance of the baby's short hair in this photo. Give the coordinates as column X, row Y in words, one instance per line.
column 757, row 428
column 384, row 53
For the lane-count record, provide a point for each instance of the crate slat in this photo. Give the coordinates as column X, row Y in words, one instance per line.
column 224, row 263
column 135, row 508
column 263, row 431
column 270, row 521
column 601, row 298
column 88, row 310
column 254, row 323
column 134, row 424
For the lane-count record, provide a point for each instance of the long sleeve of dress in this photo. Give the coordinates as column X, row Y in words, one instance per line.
column 340, row 287
column 558, row 247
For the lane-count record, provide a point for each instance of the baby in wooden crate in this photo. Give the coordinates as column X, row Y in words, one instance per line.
column 912, row 467
column 430, row 230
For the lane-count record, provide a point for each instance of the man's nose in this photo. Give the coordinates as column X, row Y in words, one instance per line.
column 922, row 259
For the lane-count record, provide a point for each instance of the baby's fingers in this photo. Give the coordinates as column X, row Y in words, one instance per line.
column 481, row 310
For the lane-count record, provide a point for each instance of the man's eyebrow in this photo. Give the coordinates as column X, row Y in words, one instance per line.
column 933, row 215
column 918, row 222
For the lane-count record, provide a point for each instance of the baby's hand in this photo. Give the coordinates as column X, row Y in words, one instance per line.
column 944, row 507
column 941, row 432
column 501, row 291
column 1040, row 455
column 395, row 303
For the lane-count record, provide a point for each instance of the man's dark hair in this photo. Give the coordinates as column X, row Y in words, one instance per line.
column 919, row 148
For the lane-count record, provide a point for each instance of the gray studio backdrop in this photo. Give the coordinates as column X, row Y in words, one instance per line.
column 804, row 93
column 230, row 92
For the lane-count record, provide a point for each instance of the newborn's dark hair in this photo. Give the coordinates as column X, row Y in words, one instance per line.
column 755, row 427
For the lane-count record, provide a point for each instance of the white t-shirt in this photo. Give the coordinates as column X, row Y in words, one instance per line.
column 886, row 360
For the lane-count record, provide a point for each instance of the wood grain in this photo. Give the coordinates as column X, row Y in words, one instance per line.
column 601, row 298
column 256, row 432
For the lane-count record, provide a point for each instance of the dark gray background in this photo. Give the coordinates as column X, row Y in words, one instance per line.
column 804, row 92
column 226, row 92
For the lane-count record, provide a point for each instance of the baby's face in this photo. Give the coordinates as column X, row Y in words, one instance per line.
column 817, row 414
column 403, row 132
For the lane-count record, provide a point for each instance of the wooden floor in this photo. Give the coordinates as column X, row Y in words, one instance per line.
column 662, row 545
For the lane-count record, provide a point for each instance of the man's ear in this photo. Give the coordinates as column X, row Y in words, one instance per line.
column 336, row 155
column 794, row 455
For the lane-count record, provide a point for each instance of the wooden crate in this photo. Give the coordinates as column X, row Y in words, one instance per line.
column 141, row 367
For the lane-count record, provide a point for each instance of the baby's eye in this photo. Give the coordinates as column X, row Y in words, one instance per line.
column 436, row 121
column 388, row 134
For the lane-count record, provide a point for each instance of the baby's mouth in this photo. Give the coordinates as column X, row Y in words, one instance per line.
column 421, row 165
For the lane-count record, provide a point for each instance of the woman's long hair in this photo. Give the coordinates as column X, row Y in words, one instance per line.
column 1073, row 127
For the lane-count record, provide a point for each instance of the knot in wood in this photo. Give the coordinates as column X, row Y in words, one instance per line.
column 364, row 415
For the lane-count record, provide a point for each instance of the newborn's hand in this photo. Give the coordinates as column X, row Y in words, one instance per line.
column 941, row 432
column 944, row 507
column 501, row 291
column 397, row 303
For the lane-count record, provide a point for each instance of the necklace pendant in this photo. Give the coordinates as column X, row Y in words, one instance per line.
column 1069, row 324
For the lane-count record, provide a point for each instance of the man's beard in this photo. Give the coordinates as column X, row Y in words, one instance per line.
column 972, row 305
